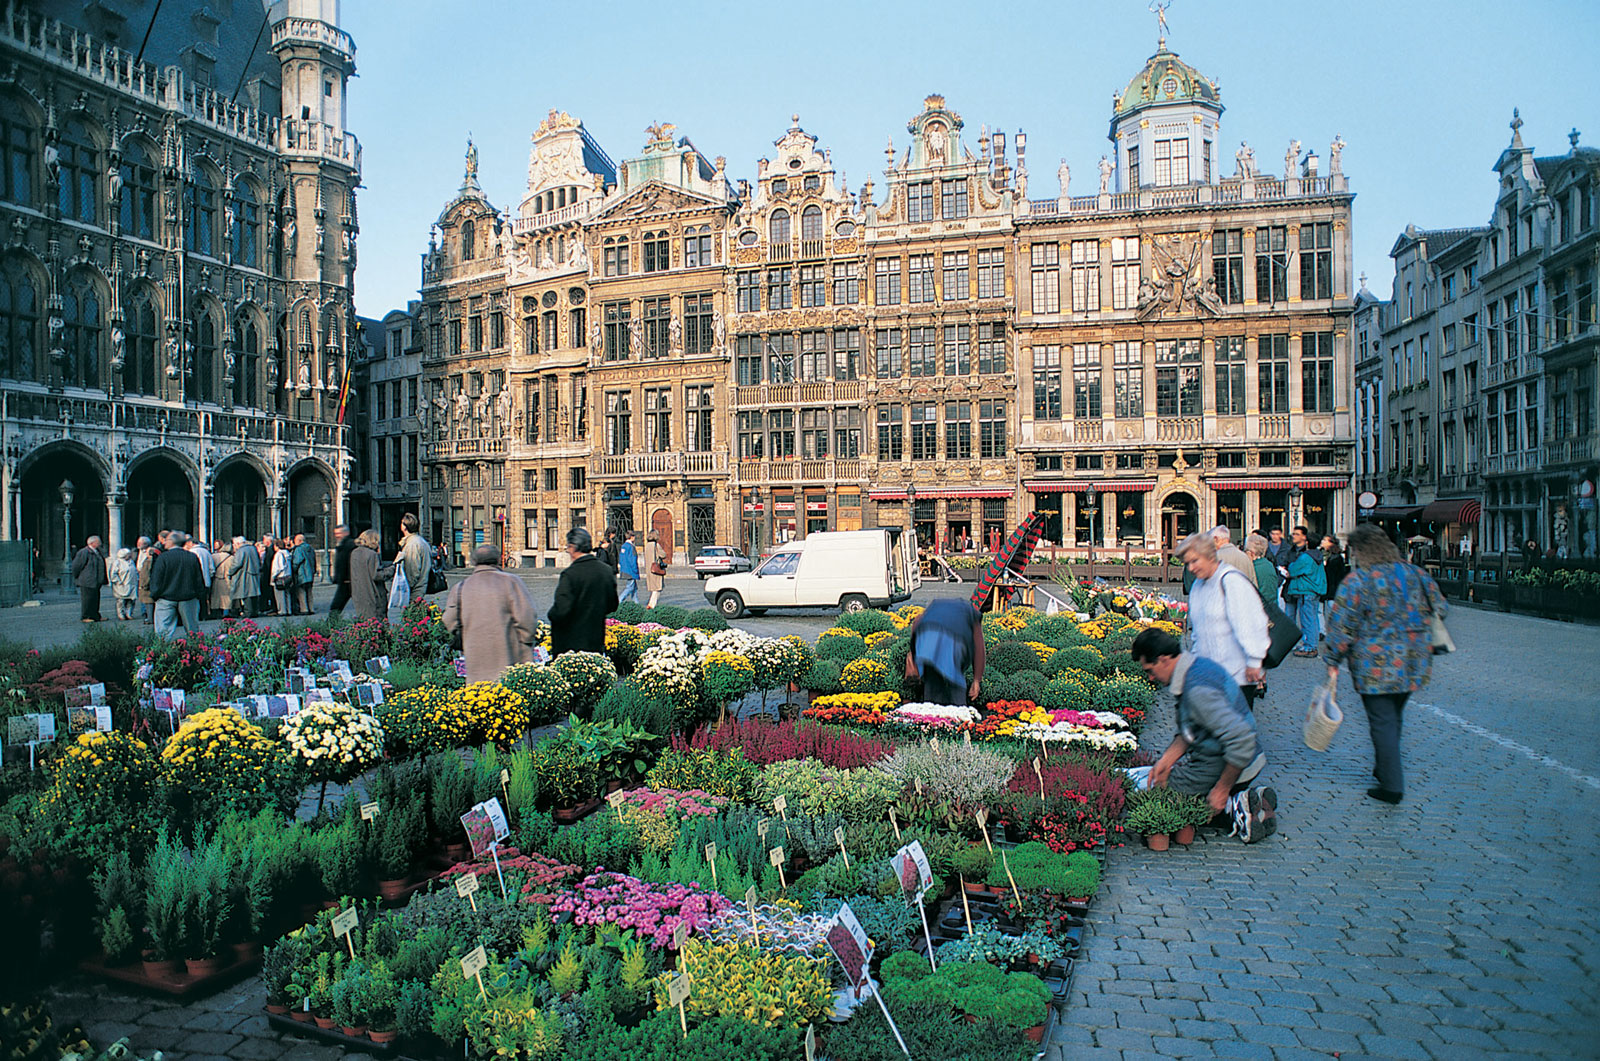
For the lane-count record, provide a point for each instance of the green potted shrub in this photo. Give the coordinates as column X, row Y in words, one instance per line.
column 569, row 778
column 349, row 997
column 450, row 790
column 973, row 864
column 397, row 831
column 1156, row 815
column 166, row 897
column 1195, row 812
column 280, row 972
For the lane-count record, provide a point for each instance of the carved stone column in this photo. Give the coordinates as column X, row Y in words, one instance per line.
column 114, row 503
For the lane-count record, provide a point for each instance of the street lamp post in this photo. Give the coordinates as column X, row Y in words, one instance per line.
column 911, row 509
column 66, row 531
column 755, row 546
column 1091, row 501
column 1295, row 493
column 327, row 532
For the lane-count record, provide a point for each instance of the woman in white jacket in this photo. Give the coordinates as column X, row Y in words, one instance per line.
column 1227, row 623
column 124, row 583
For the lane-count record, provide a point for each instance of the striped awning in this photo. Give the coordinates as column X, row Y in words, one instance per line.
column 1014, row 554
column 930, row 494
column 1453, row 510
column 1114, row 486
column 1303, row 482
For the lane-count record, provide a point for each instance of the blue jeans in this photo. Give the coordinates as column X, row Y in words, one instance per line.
column 630, row 590
column 1308, row 615
column 171, row 614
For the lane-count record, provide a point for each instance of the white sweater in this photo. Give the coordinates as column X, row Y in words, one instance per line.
column 1230, row 628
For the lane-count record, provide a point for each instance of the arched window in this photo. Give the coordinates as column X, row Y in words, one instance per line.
column 200, row 231
column 16, row 155
column 137, row 204
column 778, row 227
column 139, row 367
column 79, row 164
column 246, row 228
column 247, row 361
column 202, row 385
column 19, row 322
column 80, row 339
column 469, row 234
column 811, row 223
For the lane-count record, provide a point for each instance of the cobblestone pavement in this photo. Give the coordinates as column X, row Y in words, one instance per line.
column 1459, row 924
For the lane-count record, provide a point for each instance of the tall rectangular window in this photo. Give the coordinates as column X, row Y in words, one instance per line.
column 549, row 335
column 847, row 353
column 748, row 292
column 697, row 417
column 992, row 427
column 1177, row 377
column 957, row 349
column 1046, row 261
column 924, row 431
column 1172, row 162
column 657, row 321
column 1272, row 264
column 846, row 284
column 1227, row 264
column 1128, row 370
column 780, row 357
column 957, row 285
column 576, row 329
column 847, row 433
column 888, row 357
column 1133, row 169
column 891, row 433
column 813, row 286
column 615, row 255
column 1230, row 375
column 814, row 360
column 580, row 407
column 919, row 201
column 1316, row 371
column 1085, row 275
column 619, row 421
column 886, row 281
column 617, row 330
column 919, row 287
column 780, row 294
column 814, row 429
column 957, row 431
column 992, row 348
column 697, row 247
column 475, row 332
column 699, row 319
column 1272, row 373
column 992, row 273
column 657, row 419
column 780, row 433
column 1047, row 382
column 752, row 436
column 1124, row 272
column 748, row 358
column 1316, row 260
column 552, row 408
column 657, row 258
column 922, row 352
column 953, row 199
column 1086, row 380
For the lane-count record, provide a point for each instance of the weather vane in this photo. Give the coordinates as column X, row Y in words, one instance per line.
column 1159, row 9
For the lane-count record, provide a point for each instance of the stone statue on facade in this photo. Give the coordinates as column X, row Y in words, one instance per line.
column 322, row 238
column 119, row 346
column 463, row 409
column 936, row 143
column 114, row 187
column 1291, row 159
column 291, row 230
column 1336, row 155
column 506, row 403
column 716, row 330
column 1244, row 161
column 1064, row 175
column 596, row 336
column 635, row 340
column 1022, row 184
column 675, row 333
column 575, row 252
column 1106, row 169
column 304, row 376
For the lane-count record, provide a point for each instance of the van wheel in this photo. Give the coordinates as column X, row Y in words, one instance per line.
column 730, row 604
column 855, row 602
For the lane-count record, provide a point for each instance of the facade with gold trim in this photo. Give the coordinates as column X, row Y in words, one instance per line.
column 778, row 357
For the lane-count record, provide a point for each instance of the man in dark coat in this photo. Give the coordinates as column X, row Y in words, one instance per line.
column 585, row 594
column 177, row 583
column 266, row 603
column 340, row 576
column 89, row 574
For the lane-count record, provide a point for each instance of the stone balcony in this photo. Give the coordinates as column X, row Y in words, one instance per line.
column 668, row 464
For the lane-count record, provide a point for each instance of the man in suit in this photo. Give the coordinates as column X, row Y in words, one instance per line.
column 585, row 594
column 89, row 574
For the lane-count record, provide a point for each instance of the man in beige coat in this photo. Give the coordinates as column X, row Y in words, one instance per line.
column 493, row 613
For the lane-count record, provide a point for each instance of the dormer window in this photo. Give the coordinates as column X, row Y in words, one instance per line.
column 812, row 184
column 780, row 187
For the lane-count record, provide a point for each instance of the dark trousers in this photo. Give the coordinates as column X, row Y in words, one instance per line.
column 89, row 603
column 936, row 689
column 341, row 597
column 1383, row 719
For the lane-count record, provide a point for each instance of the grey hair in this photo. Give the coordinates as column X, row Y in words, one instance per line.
column 1220, row 533
column 486, row 556
column 1201, row 545
column 579, row 539
column 1256, row 545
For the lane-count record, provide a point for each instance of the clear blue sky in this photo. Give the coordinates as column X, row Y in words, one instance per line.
column 1420, row 89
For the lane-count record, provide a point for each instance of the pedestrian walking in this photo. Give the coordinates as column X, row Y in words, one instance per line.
column 366, row 578
column 244, row 577
column 124, row 583
column 208, row 568
column 283, row 576
column 1334, row 568
column 147, row 557
column 1306, row 585
column 1267, row 582
column 1380, row 626
column 586, row 593
column 946, row 639
column 415, row 561
column 267, row 554
column 339, row 573
column 1228, row 553
column 304, row 559
column 221, row 579
column 655, row 568
column 493, row 613
column 1227, row 623
column 628, row 565
column 89, row 575
column 177, row 584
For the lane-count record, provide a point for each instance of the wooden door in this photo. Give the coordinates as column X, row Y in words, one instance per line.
column 661, row 524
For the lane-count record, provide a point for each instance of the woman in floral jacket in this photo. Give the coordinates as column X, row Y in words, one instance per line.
column 1379, row 623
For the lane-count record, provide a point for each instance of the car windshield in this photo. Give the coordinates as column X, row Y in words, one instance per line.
column 779, row 564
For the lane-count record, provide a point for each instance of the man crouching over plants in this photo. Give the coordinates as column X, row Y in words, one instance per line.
column 1216, row 752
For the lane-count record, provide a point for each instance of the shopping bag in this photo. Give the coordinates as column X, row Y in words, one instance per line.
column 1322, row 717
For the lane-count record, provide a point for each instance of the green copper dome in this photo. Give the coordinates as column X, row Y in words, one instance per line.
column 1166, row 79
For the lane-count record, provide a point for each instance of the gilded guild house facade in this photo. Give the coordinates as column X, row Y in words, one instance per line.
column 177, row 242
column 1167, row 349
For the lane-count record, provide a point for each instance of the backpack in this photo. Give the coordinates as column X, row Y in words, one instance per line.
column 436, row 579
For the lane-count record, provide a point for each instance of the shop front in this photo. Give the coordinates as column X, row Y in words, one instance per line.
column 944, row 519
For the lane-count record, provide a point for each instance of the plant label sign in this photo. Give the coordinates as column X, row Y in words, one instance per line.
column 467, row 886
column 811, row 1042
column 616, row 799
column 485, row 825
column 680, row 933
column 87, row 718
column 838, row 838
column 781, row 805
column 473, row 965
column 340, row 668
column 31, row 729
column 84, row 695
column 343, row 924
column 378, row 665
column 369, row 811
column 711, row 852
column 849, row 943
column 297, row 680
column 750, row 904
column 912, row 868
column 894, row 822
column 761, row 828
column 775, row 856
column 366, row 694
column 677, row 995
column 169, row 702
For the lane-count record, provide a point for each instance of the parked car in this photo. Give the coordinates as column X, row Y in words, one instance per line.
column 848, row 570
column 720, row 560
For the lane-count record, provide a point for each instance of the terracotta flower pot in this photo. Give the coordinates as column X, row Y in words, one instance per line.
column 246, row 952
column 300, row 1015
column 382, row 1037
column 206, row 966
column 568, row 815
column 168, row 969
column 392, row 890
column 1035, row 1034
column 612, row 786
column 1184, row 836
column 354, row 1032
column 1157, row 841
column 274, row 1008
column 323, row 1022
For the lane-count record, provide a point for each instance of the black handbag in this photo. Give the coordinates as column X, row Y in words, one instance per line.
column 1283, row 633
column 436, row 579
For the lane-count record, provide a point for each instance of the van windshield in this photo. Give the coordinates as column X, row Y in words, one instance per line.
column 780, row 564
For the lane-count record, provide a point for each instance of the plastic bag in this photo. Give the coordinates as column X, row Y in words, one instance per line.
column 399, row 592
column 1322, row 717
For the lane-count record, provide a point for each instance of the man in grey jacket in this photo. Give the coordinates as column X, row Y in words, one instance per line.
column 1216, row 752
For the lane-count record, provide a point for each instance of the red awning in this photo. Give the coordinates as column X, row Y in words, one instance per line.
column 1317, row 483
column 1115, row 486
column 1014, row 554
column 929, row 495
column 1453, row 510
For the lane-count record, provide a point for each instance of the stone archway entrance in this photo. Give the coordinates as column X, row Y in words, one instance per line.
column 661, row 524
column 42, row 506
column 241, row 503
column 1180, row 517
column 159, row 498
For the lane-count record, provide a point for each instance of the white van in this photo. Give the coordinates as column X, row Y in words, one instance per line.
column 848, row 570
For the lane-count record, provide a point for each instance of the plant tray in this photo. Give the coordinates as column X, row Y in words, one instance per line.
column 180, row 988
column 284, row 1023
